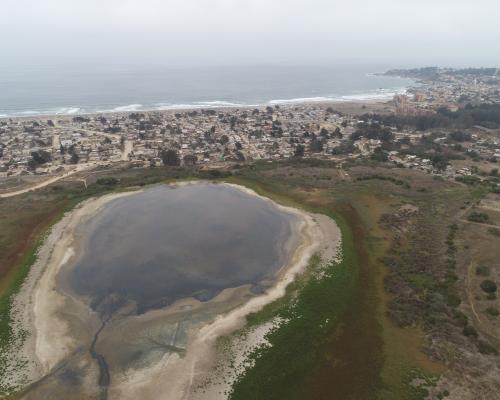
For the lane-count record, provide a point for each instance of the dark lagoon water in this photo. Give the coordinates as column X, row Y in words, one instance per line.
column 168, row 243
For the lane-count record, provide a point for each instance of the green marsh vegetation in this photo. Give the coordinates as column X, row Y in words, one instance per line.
column 361, row 352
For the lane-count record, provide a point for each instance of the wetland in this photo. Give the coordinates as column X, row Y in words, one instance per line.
column 133, row 288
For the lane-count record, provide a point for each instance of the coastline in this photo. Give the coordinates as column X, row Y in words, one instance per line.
column 303, row 102
column 53, row 338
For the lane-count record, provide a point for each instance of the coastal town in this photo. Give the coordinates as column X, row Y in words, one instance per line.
column 446, row 87
column 447, row 117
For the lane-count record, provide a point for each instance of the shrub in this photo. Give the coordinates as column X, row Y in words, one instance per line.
column 494, row 231
column 492, row 311
column 460, row 318
column 452, row 299
column 214, row 174
column 476, row 216
column 483, row 270
column 469, row 331
column 488, row 286
column 108, row 181
column 468, row 180
column 486, row 348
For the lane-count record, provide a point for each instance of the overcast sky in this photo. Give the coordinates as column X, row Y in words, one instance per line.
column 199, row 32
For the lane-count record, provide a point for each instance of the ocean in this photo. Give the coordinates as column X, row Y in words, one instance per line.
column 31, row 91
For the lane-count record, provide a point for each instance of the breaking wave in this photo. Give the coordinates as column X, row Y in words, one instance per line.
column 68, row 110
column 129, row 107
column 379, row 94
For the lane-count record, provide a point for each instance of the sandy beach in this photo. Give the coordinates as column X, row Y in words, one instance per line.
column 61, row 327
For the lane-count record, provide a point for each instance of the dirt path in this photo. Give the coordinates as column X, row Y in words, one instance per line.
column 477, row 223
column 35, row 187
column 128, row 147
column 480, row 325
column 344, row 175
column 79, row 168
column 470, row 295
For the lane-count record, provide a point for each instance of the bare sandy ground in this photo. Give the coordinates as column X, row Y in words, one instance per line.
column 36, row 306
column 60, row 325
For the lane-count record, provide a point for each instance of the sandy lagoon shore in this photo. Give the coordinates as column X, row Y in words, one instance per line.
column 144, row 362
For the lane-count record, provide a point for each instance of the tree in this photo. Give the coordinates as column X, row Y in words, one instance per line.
column 38, row 158
column 224, row 139
column 41, row 156
column 337, row 133
column 190, row 159
column 344, row 148
column 439, row 162
column 74, row 158
column 79, row 118
column 299, row 151
column 379, row 155
column 459, row 136
column 316, row 145
column 239, row 156
column 170, row 157
column 386, row 135
column 136, row 116
column 233, row 121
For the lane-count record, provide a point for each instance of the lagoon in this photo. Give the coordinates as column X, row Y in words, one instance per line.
column 170, row 242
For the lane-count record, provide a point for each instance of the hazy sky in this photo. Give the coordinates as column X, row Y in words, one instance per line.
column 194, row 32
